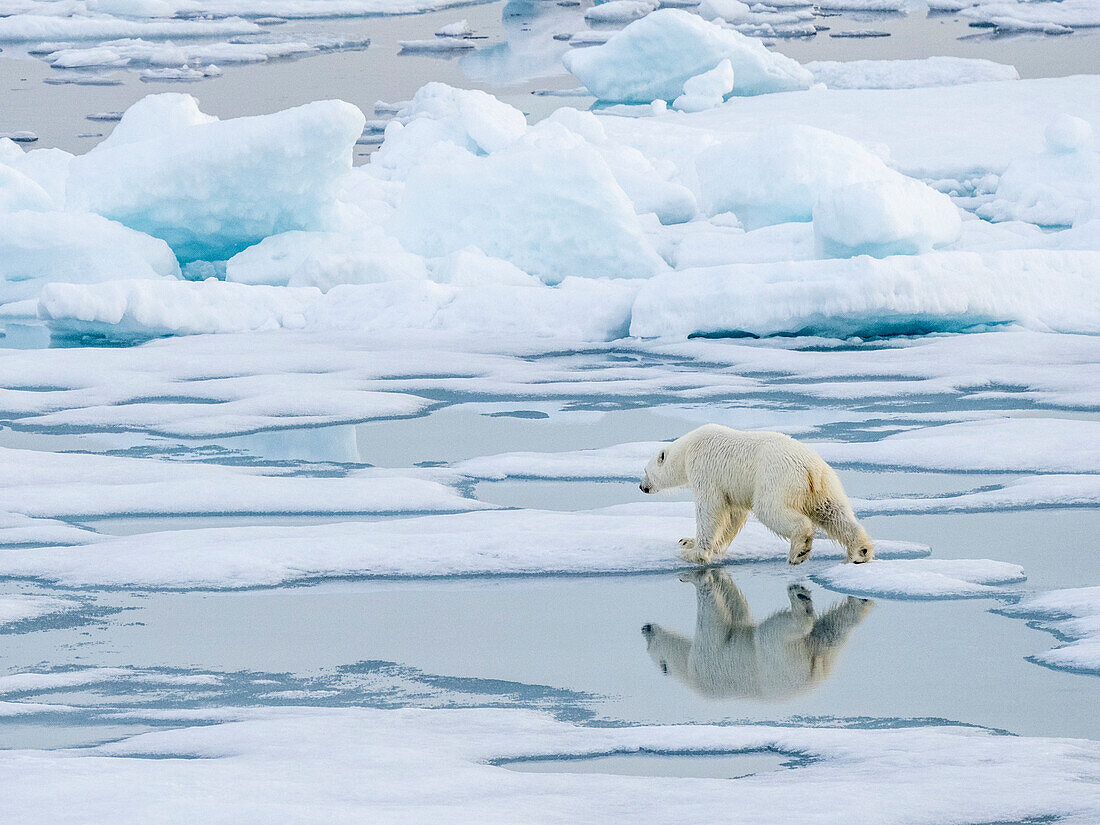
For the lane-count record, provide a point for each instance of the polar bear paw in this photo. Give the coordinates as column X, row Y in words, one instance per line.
column 693, row 556
column 688, row 543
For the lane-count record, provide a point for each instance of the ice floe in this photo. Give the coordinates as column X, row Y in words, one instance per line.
column 652, row 58
column 333, row 762
column 16, row 608
column 908, row 74
column 1074, row 616
column 940, row 291
column 1024, row 444
column 922, row 578
column 621, row 539
column 79, row 485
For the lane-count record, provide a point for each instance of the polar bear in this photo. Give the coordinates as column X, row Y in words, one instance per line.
column 783, row 483
column 786, row 655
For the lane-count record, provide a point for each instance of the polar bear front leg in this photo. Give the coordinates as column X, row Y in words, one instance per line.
column 710, row 518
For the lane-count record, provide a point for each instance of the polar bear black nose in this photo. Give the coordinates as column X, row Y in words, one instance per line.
column 644, row 487
column 647, row 628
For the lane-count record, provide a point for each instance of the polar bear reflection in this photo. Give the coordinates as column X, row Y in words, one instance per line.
column 787, row 654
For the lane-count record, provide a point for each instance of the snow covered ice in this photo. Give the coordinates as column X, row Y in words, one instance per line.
column 652, row 58
column 322, row 420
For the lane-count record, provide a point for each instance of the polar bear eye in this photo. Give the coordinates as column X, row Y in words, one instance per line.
column 661, row 457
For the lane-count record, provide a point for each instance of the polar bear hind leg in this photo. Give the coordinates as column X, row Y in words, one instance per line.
column 840, row 524
column 793, row 525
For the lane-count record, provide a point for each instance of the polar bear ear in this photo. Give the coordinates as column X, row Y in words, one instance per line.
column 661, row 457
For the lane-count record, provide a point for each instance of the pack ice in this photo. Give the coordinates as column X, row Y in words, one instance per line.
column 837, row 212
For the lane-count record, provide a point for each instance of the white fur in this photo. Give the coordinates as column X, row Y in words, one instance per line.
column 783, row 483
column 785, row 655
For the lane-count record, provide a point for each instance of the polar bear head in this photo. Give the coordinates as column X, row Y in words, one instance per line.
column 664, row 471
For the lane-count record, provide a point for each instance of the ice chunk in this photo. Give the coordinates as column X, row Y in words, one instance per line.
column 776, row 176
column 620, row 11
column 1060, row 187
column 731, row 11
column 653, row 57
column 40, row 247
column 142, row 309
column 896, row 216
column 472, row 267
column 183, row 73
column 706, row 90
column 578, row 310
column 438, row 45
column 18, row 192
column 909, row 74
column 942, row 291
column 468, row 118
column 646, row 183
column 1067, row 133
column 49, row 168
column 154, row 117
column 324, row 260
column 922, row 578
column 211, row 189
column 1050, row 17
column 459, row 28
column 1074, row 616
column 548, row 204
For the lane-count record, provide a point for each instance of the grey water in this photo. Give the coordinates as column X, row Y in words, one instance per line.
column 518, row 60
column 592, row 648
column 574, row 646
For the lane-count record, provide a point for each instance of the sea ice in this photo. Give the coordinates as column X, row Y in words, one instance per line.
column 1073, row 615
column 908, row 74
column 468, row 118
column 1051, row 17
column 21, row 608
column 212, row 188
column 79, row 485
column 653, row 57
column 939, row 291
column 931, row 133
column 19, row 193
column 1024, row 444
column 619, row 11
column 325, row 260
column 922, row 578
column 324, row 764
column 624, row 539
column 706, row 90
